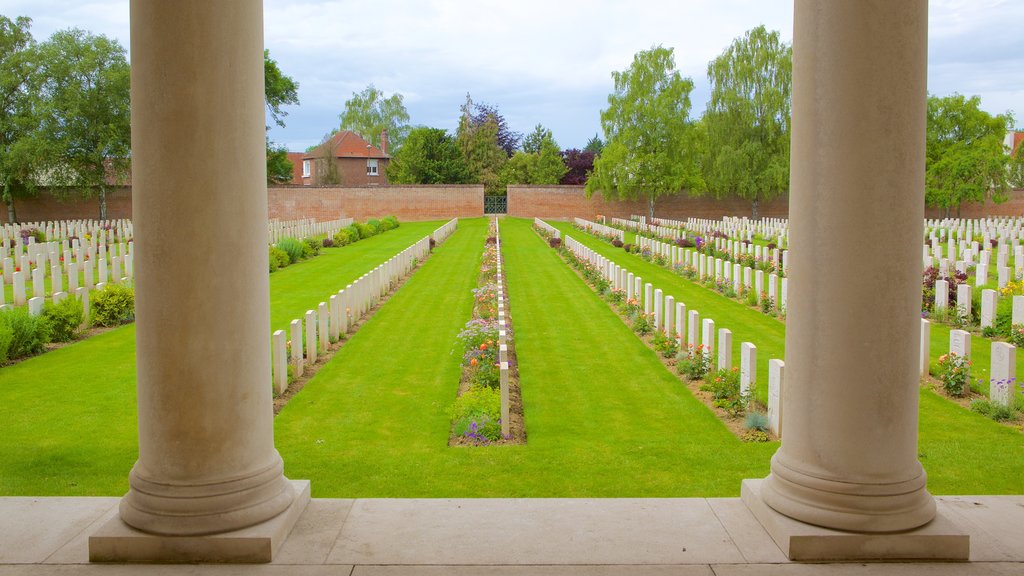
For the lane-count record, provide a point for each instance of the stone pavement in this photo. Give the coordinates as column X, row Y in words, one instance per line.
column 547, row 537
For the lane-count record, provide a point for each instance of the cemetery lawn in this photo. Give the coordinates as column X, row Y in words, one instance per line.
column 302, row 286
column 75, row 431
column 603, row 416
column 963, row 452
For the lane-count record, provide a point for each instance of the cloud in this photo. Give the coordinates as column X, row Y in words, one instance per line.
column 543, row 61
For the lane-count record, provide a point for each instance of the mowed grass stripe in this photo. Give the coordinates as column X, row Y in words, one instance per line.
column 963, row 452
column 302, row 286
column 69, row 426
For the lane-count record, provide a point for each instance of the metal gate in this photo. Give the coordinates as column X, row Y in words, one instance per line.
column 495, row 204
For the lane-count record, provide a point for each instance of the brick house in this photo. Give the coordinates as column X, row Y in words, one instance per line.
column 356, row 161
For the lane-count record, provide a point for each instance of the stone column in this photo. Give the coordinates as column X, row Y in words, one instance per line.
column 848, row 459
column 207, row 462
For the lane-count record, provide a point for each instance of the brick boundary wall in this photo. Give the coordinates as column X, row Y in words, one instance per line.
column 440, row 202
column 449, row 201
column 429, row 202
column 561, row 202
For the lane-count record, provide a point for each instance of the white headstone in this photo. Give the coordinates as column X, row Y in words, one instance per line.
column 748, row 367
column 670, row 308
column 1003, row 385
column 926, row 331
column 20, row 298
column 989, row 299
column 297, row 358
column 35, row 305
column 1018, row 310
column 776, row 376
column 963, row 299
column 724, row 349
column 648, row 300
column 280, row 361
column 693, row 329
column 707, row 336
column 941, row 294
column 681, row 322
column 960, row 343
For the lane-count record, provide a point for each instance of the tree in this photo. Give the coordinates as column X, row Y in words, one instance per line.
column 84, row 87
column 965, row 160
column 480, row 114
column 278, row 90
column 652, row 149
column 368, row 113
column 579, row 164
column 1017, row 167
column 279, row 167
column 326, row 163
column 428, row 156
column 533, row 140
column 478, row 141
column 20, row 141
column 539, row 162
column 748, row 118
column 594, row 145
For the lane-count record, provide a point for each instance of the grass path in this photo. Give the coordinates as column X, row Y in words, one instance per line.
column 963, row 452
column 69, row 419
column 603, row 416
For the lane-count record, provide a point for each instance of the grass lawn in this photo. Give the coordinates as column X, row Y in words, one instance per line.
column 74, row 430
column 603, row 416
column 963, row 452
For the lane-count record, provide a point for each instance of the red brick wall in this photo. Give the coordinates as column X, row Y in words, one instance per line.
column 1014, row 206
column 406, row 202
column 45, row 206
column 570, row 202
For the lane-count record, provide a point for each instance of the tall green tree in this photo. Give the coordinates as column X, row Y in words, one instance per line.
column 278, row 90
column 477, row 139
column 539, row 162
column 595, row 145
column 84, row 86
column 748, row 118
column 965, row 158
column 1017, row 167
column 368, row 113
column 428, row 156
column 21, row 144
column 652, row 149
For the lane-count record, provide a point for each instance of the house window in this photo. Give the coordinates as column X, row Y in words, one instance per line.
column 371, row 167
column 306, row 168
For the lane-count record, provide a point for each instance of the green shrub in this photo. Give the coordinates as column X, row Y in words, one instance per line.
column 6, row 338
column 113, row 305
column 292, row 247
column 756, row 421
column 307, row 251
column 374, row 225
column 28, row 333
column 481, row 406
column 343, row 238
column 353, row 231
column 314, row 246
column 693, row 362
column 997, row 412
column 365, row 231
column 63, row 319
column 278, row 258
column 389, row 222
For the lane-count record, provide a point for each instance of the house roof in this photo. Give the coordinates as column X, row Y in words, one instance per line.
column 1018, row 137
column 348, row 144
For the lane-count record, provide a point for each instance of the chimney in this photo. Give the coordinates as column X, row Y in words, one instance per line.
column 384, row 141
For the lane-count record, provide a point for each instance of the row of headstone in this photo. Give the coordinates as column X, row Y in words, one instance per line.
column 601, row 229
column 741, row 277
column 304, row 228
column 548, row 228
column 503, row 341
column 672, row 319
column 641, row 227
column 342, row 311
column 442, row 233
column 108, row 231
column 70, row 276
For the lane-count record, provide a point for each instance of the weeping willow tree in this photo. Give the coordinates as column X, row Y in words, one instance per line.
column 748, row 118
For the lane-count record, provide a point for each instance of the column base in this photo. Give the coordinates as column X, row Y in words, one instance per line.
column 938, row 540
column 116, row 541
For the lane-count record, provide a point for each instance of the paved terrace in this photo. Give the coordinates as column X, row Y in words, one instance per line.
column 550, row 537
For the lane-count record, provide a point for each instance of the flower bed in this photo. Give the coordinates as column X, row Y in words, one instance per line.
column 488, row 409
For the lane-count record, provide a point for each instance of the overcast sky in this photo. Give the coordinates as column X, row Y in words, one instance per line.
column 547, row 62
